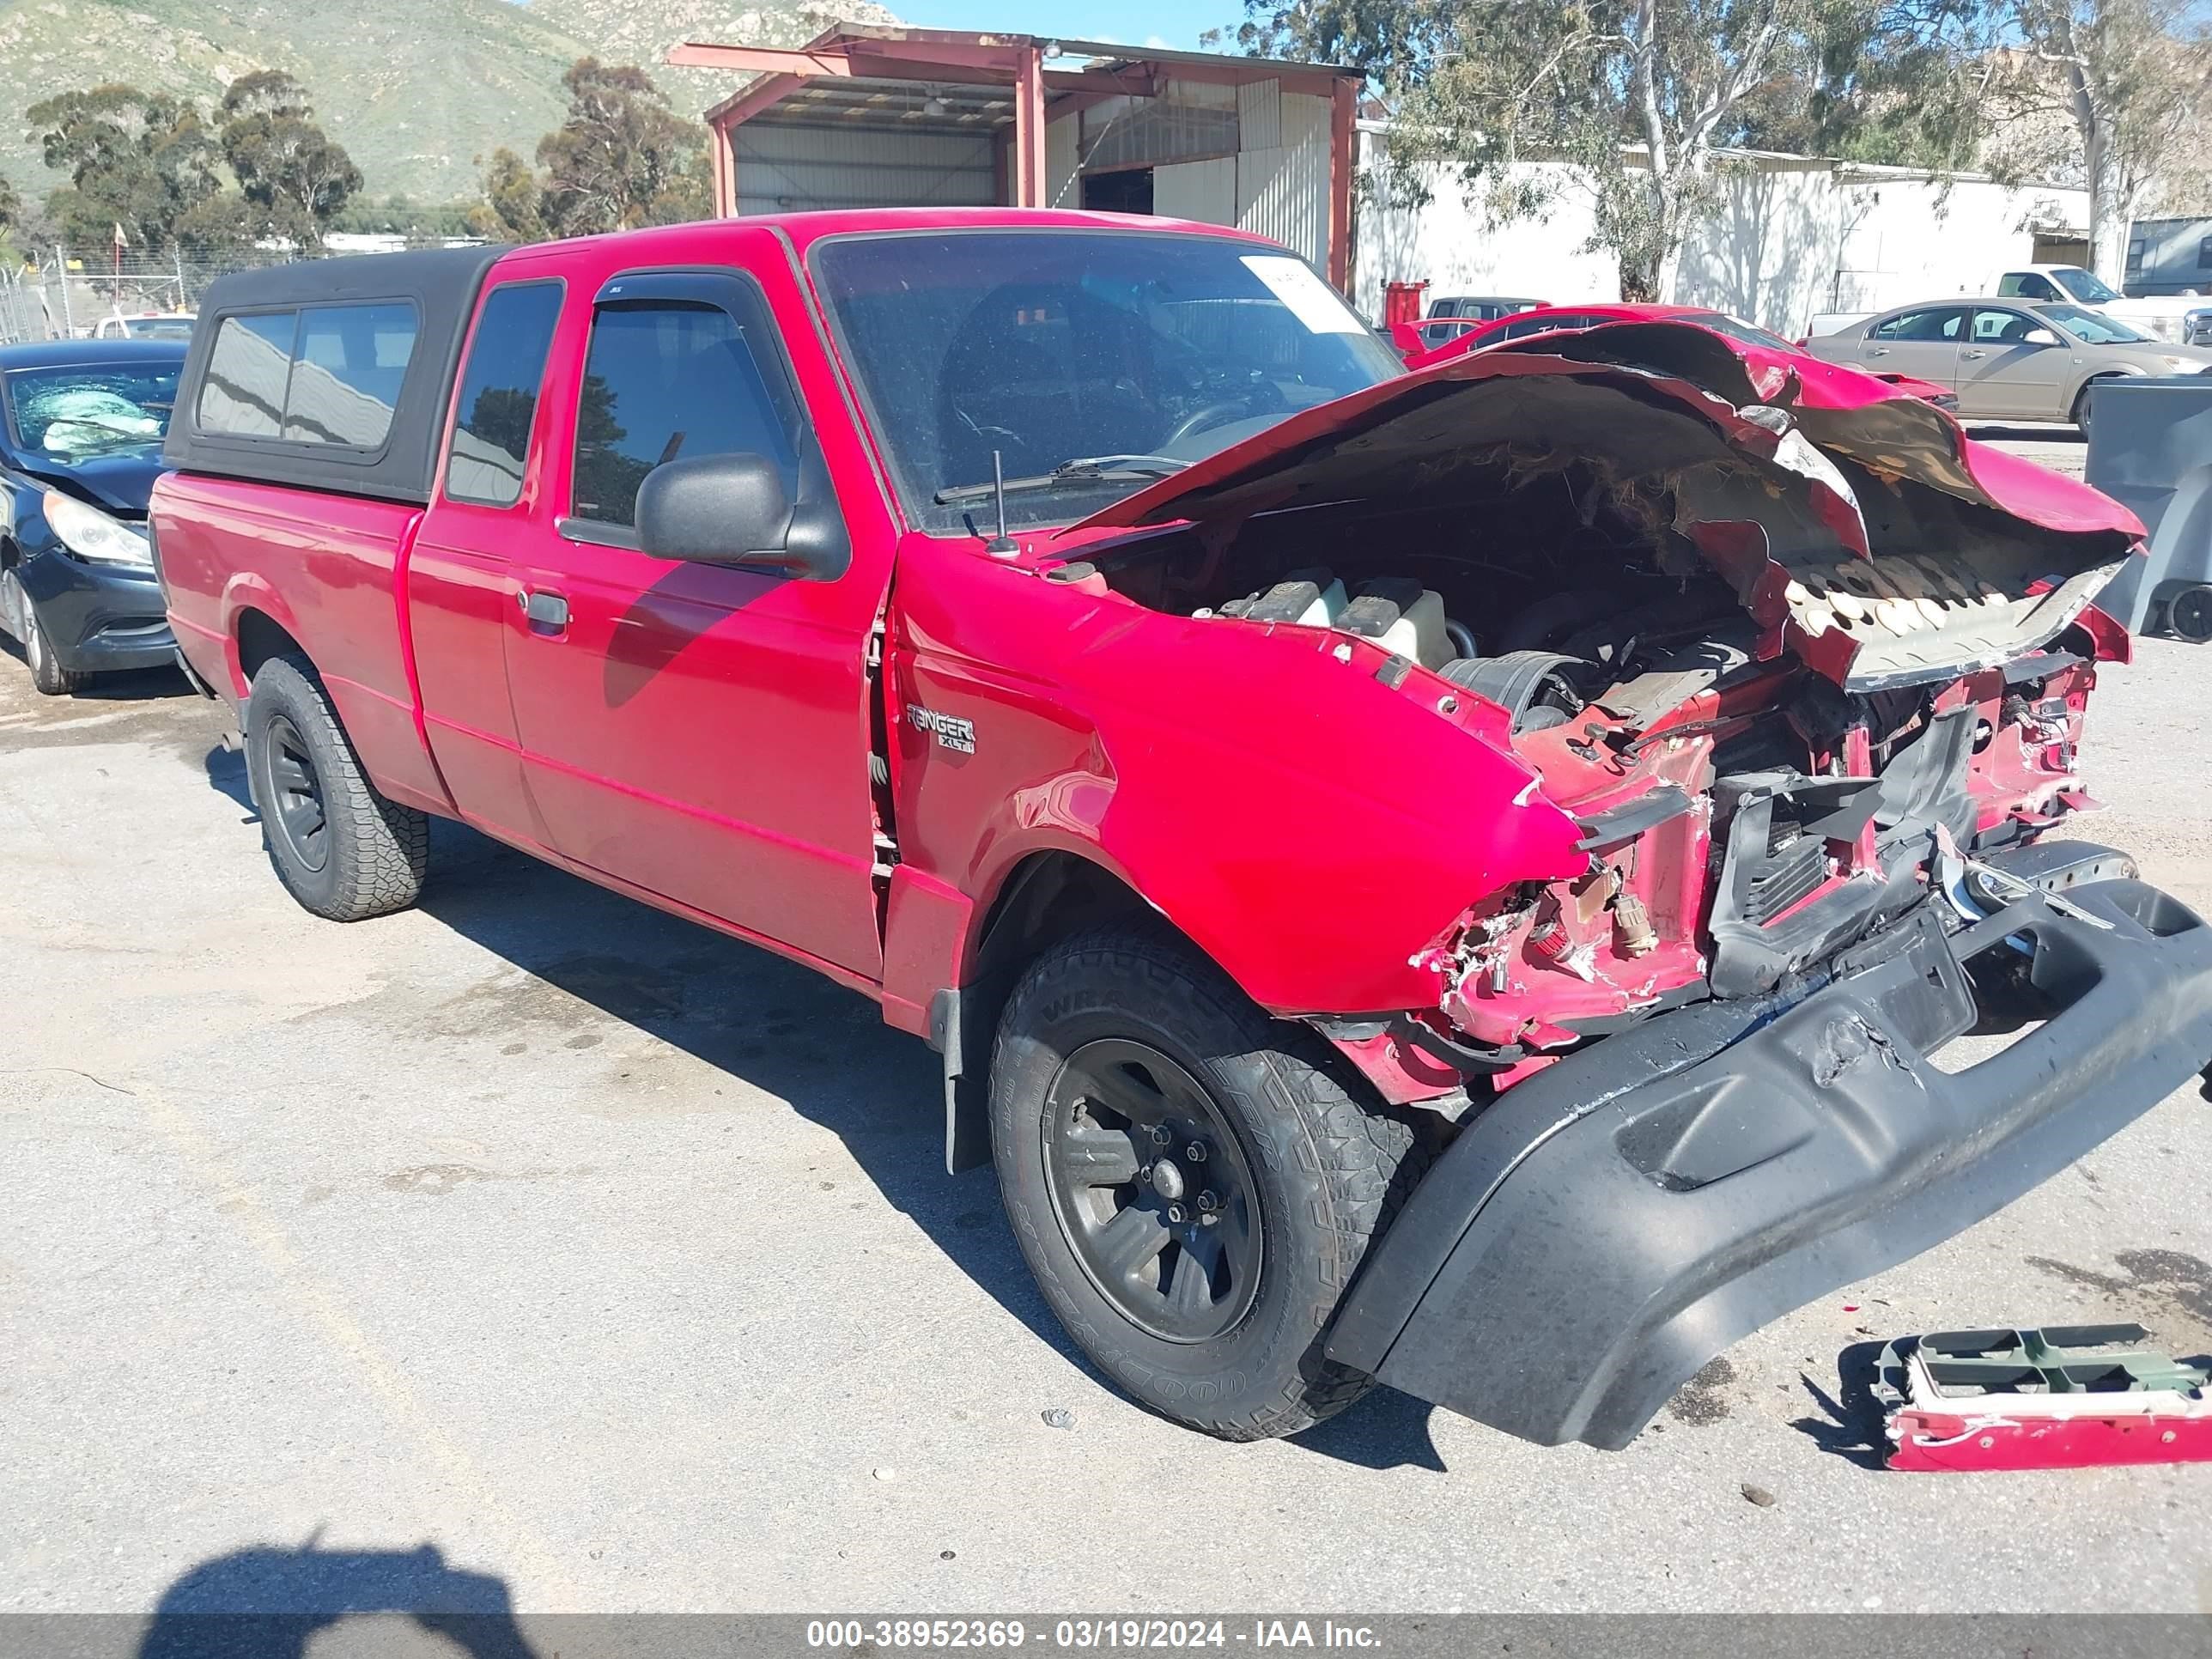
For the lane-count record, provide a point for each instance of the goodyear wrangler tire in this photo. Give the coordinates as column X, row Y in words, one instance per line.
column 1191, row 1184
column 340, row 848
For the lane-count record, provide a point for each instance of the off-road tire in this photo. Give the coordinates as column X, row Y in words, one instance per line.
column 1328, row 1172
column 47, row 674
column 376, row 851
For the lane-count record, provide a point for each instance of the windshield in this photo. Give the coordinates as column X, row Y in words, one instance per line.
column 2094, row 327
column 67, row 413
column 1127, row 354
column 2084, row 285
column 1750, row 333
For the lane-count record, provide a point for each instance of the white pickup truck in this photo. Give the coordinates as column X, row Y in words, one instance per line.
column 2178, row 319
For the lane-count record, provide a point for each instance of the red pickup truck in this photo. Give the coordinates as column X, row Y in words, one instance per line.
column 1461, row 878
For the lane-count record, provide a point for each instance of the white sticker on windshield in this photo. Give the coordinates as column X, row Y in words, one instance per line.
column 1311, row 300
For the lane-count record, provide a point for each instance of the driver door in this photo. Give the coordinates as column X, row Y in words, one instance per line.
column 697, row 731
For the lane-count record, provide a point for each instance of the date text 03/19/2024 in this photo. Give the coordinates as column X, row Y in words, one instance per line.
column 1087, row 1635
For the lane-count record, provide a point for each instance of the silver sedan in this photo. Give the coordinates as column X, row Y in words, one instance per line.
column 2008, row 359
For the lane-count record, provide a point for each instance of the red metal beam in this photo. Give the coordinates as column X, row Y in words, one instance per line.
column 1343, row 159
column 759, row 60
column 1029, row 129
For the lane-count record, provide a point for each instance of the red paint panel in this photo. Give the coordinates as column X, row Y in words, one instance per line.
column 1312, row 830
column 322, row 568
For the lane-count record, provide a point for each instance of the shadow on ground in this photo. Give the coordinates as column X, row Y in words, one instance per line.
column 789, row 1032
column 130, row 685
column 1850, row 1420
column 270, row 1603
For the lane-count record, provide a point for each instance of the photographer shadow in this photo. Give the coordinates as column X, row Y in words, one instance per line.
column 268, row 1602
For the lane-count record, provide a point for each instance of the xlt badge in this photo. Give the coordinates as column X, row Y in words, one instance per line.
column 952, row 733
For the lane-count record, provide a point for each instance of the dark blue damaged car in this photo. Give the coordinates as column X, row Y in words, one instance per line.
column 81, row 423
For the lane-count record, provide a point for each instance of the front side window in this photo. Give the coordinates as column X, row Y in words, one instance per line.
column 243, row 395
column 2003, row 327
column 66, row 414
column 669, row 380
column 1085, row 362
column 498, row 401
column 2204, row 254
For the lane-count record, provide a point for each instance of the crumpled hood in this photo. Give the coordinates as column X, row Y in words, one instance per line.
column 1945, row 555
column 122, row 482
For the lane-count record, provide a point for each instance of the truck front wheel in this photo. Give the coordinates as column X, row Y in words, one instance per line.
column 340, row 848
column 1190, row 1182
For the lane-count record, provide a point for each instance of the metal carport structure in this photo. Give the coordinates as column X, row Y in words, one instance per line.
column 877, row 116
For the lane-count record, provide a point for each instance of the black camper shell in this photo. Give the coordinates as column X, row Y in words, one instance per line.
column 329, row 375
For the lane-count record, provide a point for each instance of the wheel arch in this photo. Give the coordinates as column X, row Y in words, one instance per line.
column 2080, row 400
column 1043, row 898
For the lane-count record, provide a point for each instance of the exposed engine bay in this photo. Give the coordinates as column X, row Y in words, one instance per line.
column 1788, row 689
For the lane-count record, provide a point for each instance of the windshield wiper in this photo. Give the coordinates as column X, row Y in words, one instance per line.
column 1086, row 469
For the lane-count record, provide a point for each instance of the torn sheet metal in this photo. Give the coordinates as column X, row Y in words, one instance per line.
column 2058, row 1397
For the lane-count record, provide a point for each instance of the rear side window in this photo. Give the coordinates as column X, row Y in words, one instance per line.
column 500, row 384
column 668, row 379
column 322, row 374
column 244, row 393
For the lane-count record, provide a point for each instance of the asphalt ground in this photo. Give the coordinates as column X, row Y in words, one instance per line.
column 613, row 1264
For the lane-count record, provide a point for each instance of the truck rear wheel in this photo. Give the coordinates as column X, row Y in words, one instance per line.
column 1191, row 1185
column 340, row 848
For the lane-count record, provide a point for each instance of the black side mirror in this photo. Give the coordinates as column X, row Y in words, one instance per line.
column 735, row 510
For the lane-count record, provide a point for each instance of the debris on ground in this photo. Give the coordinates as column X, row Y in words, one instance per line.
column 2058, row 1397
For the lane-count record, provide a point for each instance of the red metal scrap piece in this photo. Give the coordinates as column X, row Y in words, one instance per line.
column 1938, row 1441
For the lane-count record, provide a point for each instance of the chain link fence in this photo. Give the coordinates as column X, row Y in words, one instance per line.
column 59, row 294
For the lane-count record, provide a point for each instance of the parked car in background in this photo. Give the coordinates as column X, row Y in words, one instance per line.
column 1454, row 313
column 2008, row 360
column 81, row 424
column 1555, row 319
column 146, row 325
column 1558, row 795
column 2175, row 319
column 1831, row 322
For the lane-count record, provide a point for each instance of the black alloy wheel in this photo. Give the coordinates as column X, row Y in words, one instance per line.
column 1152, row 1190
column 297, row 809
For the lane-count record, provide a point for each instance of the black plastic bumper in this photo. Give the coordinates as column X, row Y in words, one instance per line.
column 1598, row 1233
column 99, row 617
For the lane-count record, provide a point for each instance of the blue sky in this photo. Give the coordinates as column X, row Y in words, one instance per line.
column 1138, row 22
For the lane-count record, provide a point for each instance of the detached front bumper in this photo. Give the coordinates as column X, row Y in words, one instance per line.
column 1609, row 1226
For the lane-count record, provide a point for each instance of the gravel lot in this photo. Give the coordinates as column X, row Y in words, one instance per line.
column 615, row 1261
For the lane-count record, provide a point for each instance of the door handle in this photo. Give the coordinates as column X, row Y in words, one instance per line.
column 1972, row 356
column 1879, row 351
column 543, row 609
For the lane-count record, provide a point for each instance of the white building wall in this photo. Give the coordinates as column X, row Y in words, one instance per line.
column 1063, row 141
column 1766, row 252
column 1789, row 237
column 1204, row 191
column 1446, row 242
column 1906, row 239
